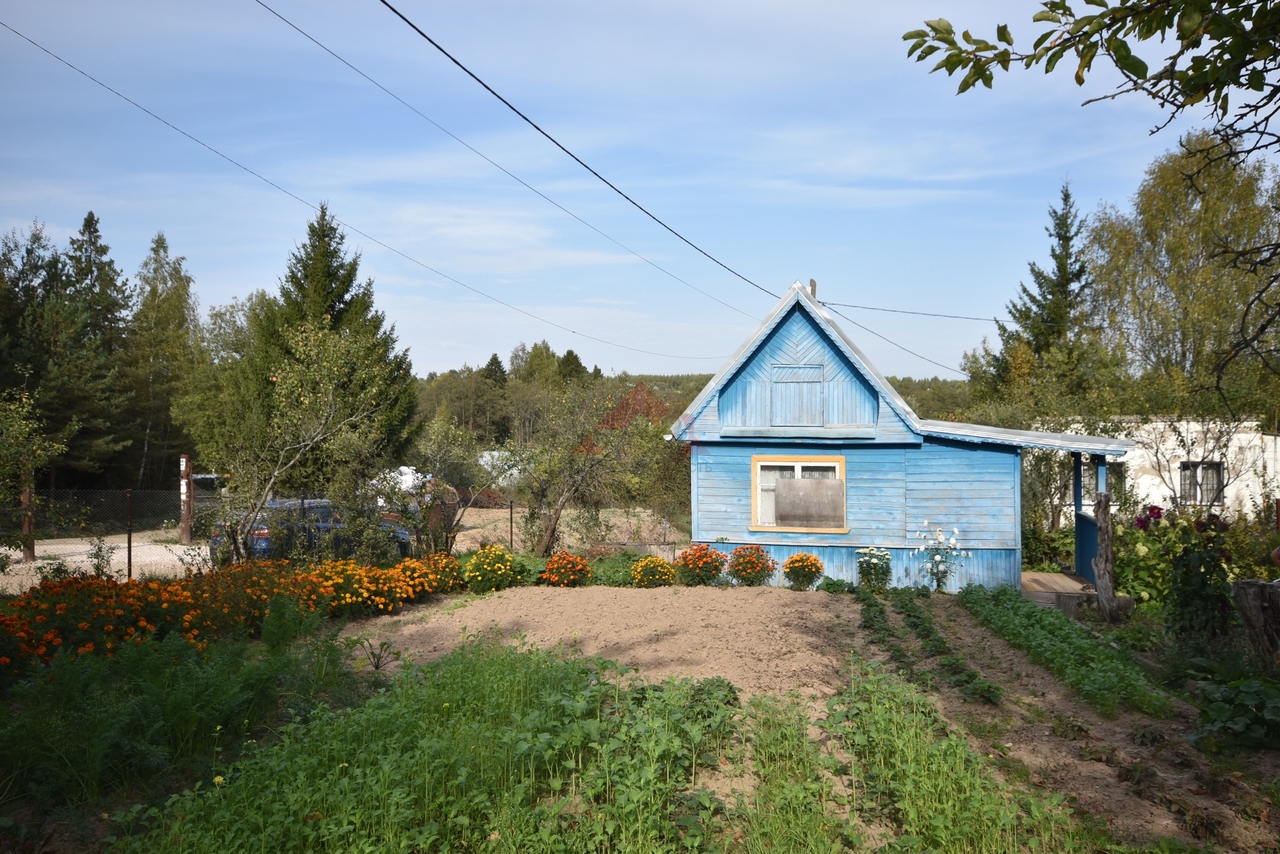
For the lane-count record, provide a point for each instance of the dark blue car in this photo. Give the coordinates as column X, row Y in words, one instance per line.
column 284, row 520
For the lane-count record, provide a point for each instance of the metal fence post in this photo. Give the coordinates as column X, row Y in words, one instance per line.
column 511, row 523
column 187, row 499
column 128, row 534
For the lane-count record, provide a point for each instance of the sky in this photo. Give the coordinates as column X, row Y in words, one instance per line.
column 790, row 141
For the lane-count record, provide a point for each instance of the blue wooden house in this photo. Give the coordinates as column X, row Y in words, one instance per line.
column 798, row 444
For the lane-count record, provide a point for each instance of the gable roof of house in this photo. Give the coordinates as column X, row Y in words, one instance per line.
column 799, row 296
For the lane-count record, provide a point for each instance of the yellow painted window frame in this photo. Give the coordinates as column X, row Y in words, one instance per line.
column 800, row 459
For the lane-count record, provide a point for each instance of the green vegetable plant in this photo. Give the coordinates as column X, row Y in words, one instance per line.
column 923, row 780
column 1102, row 677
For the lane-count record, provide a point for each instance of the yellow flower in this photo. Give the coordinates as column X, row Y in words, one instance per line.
column 219, row 780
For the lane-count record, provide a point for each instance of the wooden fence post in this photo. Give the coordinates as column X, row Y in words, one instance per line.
column 186, row 498
column 1102, row 564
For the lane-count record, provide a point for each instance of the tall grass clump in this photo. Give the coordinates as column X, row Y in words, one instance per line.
column 1103, row 677
column 938, row 795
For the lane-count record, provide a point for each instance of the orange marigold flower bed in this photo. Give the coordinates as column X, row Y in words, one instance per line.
column 87, row 615
column 565, row 570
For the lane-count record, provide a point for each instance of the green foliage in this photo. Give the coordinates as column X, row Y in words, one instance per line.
column 875, row 568
column 788, row 811
column 490, row 748
column 23, row 450
column 491, row 568
column 1101, row 676
column 1237, row 712
column 1143, row 554
column 1044, row 550
column 925, row 782
column 1164, row 287
column 613, row 570
column 652, row 571
column 934, row 397
column 751, row 566
column 1200, row 609
column 1218, row 52
column 64, row 315
column 835, row 585
column 85, row 727
column 801, row 570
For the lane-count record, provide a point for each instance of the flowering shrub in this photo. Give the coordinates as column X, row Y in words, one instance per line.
column 1143, row 554
column 699, row 565
column 89, row 615
column 940, row 556
column 491, row 568
column 751, row 566
column 565, row 570
column 436, row 573
column 652, row 571
column 802, row 570
column 875, row 568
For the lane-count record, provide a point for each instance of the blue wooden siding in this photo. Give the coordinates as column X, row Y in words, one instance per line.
column 788, row 357
column 890, row 492
column 987, row 567
column 966, row 486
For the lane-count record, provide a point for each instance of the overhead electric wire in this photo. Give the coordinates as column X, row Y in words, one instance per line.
column 918, row 313
column 494, row 163
column 575, row 157
column 891, row 341
column 996, row 320
column 346, row 225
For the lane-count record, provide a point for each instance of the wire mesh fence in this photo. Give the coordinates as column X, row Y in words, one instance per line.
column 115, row 533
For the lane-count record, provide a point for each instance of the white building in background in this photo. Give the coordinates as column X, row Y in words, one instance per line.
column 1223, row 466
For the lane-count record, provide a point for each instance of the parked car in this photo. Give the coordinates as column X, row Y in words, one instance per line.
column 284, row 521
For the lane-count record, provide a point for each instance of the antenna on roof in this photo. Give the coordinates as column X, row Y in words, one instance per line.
column 813, row 288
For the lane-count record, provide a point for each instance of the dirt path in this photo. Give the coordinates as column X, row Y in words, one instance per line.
column 1138, row 776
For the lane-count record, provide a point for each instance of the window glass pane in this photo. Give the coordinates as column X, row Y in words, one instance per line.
column 1210, row 483
column 767, row 480
column 1188, row 485
column 818, row 472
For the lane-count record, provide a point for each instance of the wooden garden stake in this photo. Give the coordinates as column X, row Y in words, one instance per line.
column 1102, row 564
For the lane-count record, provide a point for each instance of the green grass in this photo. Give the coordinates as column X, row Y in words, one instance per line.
column 1102, row 677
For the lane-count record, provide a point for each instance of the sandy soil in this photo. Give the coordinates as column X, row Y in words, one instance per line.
column 1138, row 776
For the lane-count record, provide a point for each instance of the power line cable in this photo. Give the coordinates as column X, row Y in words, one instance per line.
column 575, row 157
column 346, row 225
column 494, row 163
column 959, row 316
column 894, row 343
